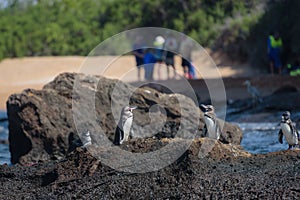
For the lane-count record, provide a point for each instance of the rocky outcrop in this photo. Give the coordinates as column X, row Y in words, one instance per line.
column 81, row 162
column 46, row 124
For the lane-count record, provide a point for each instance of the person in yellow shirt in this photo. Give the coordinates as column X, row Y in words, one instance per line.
column 274, row 50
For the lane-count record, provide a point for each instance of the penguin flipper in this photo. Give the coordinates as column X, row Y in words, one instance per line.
column 280, row 135
column 118, row 136
column 204, row 131
column 219, row 131
column 295, row 131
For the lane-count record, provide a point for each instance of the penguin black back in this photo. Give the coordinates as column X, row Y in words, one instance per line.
column 119, row 135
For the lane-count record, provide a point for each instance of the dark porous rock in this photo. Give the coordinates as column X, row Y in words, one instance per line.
column 283, row 101
column 207, row 169
column 285, row 89
column 47, row 124
column 231, row 134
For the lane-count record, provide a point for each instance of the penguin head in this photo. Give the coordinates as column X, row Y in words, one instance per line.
column 207, row 108
column 286, row 115
column 127, row 110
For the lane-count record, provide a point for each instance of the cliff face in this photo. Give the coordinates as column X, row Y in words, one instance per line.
column 46, row 124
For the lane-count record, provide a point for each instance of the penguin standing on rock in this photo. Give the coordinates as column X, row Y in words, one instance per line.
column 288, row 130
column 124, row 125
column 212, row 127
column 86, row 139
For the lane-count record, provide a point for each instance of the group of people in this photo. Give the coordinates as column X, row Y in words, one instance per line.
column 165, row 50
column 162, row 53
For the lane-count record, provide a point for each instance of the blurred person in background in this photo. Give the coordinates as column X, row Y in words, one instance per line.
column 159, row 53
column 171, row 46
column 149, row 62
column 274, row 50
column 185, row 50
column 138, row 53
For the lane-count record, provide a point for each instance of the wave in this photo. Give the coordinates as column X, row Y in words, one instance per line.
column 3, row 124
column 3, row 129
column 262, row 141
column 4, row 154
column 258, row 126
column 4, row 148
column 3, row 114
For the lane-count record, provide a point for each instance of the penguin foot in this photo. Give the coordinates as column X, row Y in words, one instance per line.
column 292, row 147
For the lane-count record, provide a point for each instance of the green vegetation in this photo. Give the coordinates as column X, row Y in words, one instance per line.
column 281, row 16
column 71, row 27
column 245, row 38
column 234, row 38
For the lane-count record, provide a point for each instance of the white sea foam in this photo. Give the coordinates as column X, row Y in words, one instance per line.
column 3, row 130
column 262, row 141
column 258, row 126
column 4, row 148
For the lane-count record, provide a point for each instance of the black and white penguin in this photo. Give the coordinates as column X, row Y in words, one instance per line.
column 123, row 129
column 86, row 139
column 212, row 127
column 288, row 130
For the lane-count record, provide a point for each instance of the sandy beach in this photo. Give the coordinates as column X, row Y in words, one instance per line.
column 18, row 74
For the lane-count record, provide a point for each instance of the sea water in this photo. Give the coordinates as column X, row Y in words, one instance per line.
column 4, row 148
column 261, row 138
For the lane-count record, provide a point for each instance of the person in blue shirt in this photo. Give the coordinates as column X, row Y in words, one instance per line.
column 274, row 49
column 149, row 62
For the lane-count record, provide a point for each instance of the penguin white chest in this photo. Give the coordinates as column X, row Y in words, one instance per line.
column 211, row 128
column 127, row 127
column 86, row 139
column 290, row 137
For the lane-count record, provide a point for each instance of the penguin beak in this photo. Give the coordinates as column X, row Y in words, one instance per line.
column 132, row 108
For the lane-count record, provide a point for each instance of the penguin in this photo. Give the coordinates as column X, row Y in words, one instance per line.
column 123, row 129
column 212, row 127
column 86, row 139
column 288, row 130
column 254, row 93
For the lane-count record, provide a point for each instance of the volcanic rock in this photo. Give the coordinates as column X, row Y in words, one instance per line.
column 46, row 124
column 206, row 170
